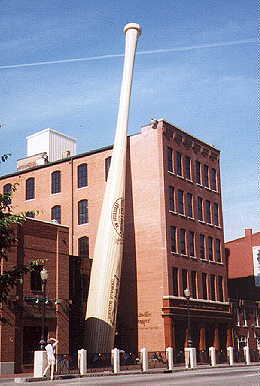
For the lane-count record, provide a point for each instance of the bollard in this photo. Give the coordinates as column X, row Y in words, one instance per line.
column 247, row 355
column 82, row 361
column 144, row 359
column 230, row 352
column 116, row 360
column 212, row 355
column 190, row 357
column 40, row 363
column 169, row 354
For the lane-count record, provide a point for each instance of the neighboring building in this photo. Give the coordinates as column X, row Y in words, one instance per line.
column 244, row 290
column 173, row 232
column 45, row 244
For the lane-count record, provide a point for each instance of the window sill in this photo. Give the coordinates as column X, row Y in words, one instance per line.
column 54, row 194
column 171, row 172
column 191, row 218
column 182, row 215
column 30, row 199
column 209, row 224
column 201, row 186
column 179, row 176
column 202, row 222
column 82, row 187
column 218, row 226
column 183, row 255
column 188, row 180
column 173, row 212
column 194, row 257
column 85, row 223
column 174, row 253
column 204, row 260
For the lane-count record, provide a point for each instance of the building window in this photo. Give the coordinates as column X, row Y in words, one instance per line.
column 220, row 289
column 82, row 175
column 83, row 246
column 206, row 176
column 208, row 212
column 210, row 247
column 183, row 241
column 180, row 202
column 56, row 182
column 7, row 190
column 30, row 189
column 175, row 290
column 169, row 159
column 213, row 179
column 218, row 253
column 171, row 199
column 184, row 274
column 178, row 163
column 215, row 214
column 202, row 246
column 189, row 205
column 194, row 284
column 107, row 166
column 56, row 213
column 83, row 212
column 212, row 287
column 30, row 214
column 200, row 211
column 197, row 174
column 187, row 168
column 242, row 341
column 204, row 285
column 173, row 238
column 36, row 282
column 191, row 244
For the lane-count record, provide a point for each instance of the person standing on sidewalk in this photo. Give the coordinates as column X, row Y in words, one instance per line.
column 52, row 343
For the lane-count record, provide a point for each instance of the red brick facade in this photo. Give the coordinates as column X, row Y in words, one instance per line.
column 20, row 329
column 173, row 234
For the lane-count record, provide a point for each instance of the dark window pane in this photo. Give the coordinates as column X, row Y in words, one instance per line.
column 183, row 241
column 191, row 243
column 180, row 202
column 210, row 247
column 212, row 287
column 200, row 211
column 30, row 189
column 206, row 176
column 107, row 166
column 204, row 285
column 36, row 282
column 208, row 212
column 56, row 182
column 213, row 179
column 56, row 213
column 216, row 218
column 169, row 159
column 7, row 190
column 178, row 163
column 83, row 212
column 189, row 205
column 187, row 168
column 220, row 289
column 171, row 198
column 83, row 246
column 30, row 214
column 175, row 290
column 202, row 246
column 173, row 238
column 82, row 175
column 184, row 279
column 198, row 176
column 194, row 284
column 218, row 253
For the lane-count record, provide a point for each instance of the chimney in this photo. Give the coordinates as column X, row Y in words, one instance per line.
column 248, row 233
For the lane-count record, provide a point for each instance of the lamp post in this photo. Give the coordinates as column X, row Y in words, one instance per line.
column 44, row 278
column 187, row 296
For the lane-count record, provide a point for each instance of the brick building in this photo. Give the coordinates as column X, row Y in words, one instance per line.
column 20, row 326
column 244, row 290
column 173, row 232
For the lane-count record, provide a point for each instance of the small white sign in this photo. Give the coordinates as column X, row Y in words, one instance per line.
column 256, row 260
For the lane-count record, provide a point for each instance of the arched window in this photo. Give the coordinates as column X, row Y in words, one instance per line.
column 107, row 166
column 83, row 212
column 56, row 182
column 30, row 189
column 7, row 189
column 56, row 213
column 82, row 175
column 83, row 246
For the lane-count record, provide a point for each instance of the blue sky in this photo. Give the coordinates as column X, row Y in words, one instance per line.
column 204, row 79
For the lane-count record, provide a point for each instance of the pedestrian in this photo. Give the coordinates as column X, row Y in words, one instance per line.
column 52, row 343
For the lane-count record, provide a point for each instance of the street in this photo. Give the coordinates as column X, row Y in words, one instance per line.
column 211, row 377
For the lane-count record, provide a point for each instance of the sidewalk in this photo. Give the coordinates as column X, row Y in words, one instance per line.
column 22, row 378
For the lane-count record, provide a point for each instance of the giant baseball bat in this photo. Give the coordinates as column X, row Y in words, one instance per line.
column 107, row 259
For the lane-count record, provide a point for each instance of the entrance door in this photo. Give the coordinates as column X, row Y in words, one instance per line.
column 31, row 342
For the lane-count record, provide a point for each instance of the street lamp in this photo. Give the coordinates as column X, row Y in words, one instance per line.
column 187, row 296
column 44, row 278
